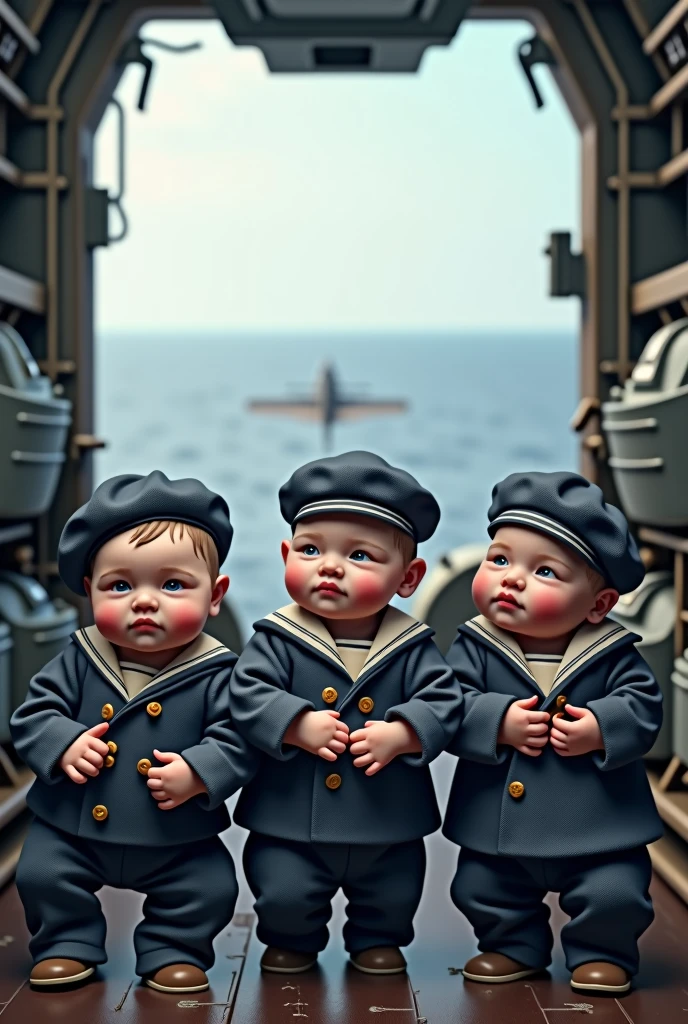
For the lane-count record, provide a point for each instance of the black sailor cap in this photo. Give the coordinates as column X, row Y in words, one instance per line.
column 573, row 511
column 364, row 484
column 126, row 501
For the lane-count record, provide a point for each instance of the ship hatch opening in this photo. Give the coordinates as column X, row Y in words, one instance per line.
column 342, row 56
column 330, row 213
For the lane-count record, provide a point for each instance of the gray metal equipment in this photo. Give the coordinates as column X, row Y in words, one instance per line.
column 225, row 627
column 40, row 628
column 444, row 600
column 679, row 678
column 645, row 428
column 33, row 431
column 5, row 681
column 649, row 610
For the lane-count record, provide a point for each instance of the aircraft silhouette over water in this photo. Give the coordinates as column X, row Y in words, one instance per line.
column 327, row 404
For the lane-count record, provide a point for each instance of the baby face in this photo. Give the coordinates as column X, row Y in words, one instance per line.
column 152, row 597
column 531, row 584
column 347, row 567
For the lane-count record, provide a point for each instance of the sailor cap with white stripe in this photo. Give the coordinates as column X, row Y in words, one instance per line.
column 129, row 500
column 363, row 484
column 572, row 511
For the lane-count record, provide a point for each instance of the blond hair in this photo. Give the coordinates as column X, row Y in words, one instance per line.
column 597, row 581
column 203, row 544
column 405, row 543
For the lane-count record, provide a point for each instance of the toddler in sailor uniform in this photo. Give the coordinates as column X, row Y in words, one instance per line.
column 550, row 792
column 129, row 734
column 350, row 700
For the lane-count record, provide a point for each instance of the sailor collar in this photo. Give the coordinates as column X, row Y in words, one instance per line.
column 588, row 642
column 102, row 656
column 396, row 630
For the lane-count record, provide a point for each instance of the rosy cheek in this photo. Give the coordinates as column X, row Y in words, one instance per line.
column 482, row 585
column 110, row 616
column 183, row 619
column 367, row 589
column 547, row 605
column 295, row 576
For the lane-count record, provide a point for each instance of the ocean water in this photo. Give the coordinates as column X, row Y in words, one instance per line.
column 481, row 405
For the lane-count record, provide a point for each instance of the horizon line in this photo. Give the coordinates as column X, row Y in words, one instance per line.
column 337, row 330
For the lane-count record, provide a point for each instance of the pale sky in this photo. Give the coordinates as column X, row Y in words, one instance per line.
column 265, row 202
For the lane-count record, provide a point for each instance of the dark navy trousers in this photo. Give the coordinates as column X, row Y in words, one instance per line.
column 606, row 896
column 294, row 884
column 191, row 891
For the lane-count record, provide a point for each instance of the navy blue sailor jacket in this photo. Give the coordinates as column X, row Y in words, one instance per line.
column 505, row 802
column 291, row 664
column 184, row 708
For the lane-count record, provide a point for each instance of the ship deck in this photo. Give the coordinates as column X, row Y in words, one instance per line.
column 334, row 993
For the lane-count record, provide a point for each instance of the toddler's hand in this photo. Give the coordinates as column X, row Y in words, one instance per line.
column 580, row 737
column 318, row 732
column 378, row 743
column 524, row 729
column 85, row 754
column 174, row 783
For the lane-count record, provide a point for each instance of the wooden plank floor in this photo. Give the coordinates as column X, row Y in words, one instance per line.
column 334, row 993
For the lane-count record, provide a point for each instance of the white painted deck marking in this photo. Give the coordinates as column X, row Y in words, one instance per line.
column 3, row 1006
column 626, row 1015
column 399, row 1009
column 299, row 1004
column 120, row 1004
column 567, row 1007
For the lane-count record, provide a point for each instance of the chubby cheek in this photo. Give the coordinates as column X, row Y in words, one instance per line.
column 296, row 576
column 366, row 589
column 110, row 618
column 481, row 591
column 184, row 618
column 548, row 605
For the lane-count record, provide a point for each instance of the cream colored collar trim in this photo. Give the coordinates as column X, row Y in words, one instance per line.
column 588, row 641
column 396, row 628
column 101, row 652
column 307, row 627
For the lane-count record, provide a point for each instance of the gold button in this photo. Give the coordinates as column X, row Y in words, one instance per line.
column 333, row 781
column 561, row 700
column 154, row 708
column 516, row 790
column 109, row 761
column 143, row 766
column 100, row 812
column 112, row 746
column 366, row 705
column 329, row 695
column 107, row 711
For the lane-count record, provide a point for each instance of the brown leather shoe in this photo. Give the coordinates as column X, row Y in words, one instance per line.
column 379, row 960
column 286, row 961
column 178, row 978
column 496, row 969
column 600, row 977
column 59, row 971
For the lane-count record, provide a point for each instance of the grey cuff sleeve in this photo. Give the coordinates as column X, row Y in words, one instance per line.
column 53, row 743
column 424, row 723
column 477, row 736
column 214, row 770
column 625, row 737
column 278, row 716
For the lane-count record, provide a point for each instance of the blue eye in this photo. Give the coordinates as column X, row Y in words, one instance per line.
column 544, row 570
column 360, row 556
column 120, row 587
column 500, row 560
column 310, row 550
column 172, row 586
